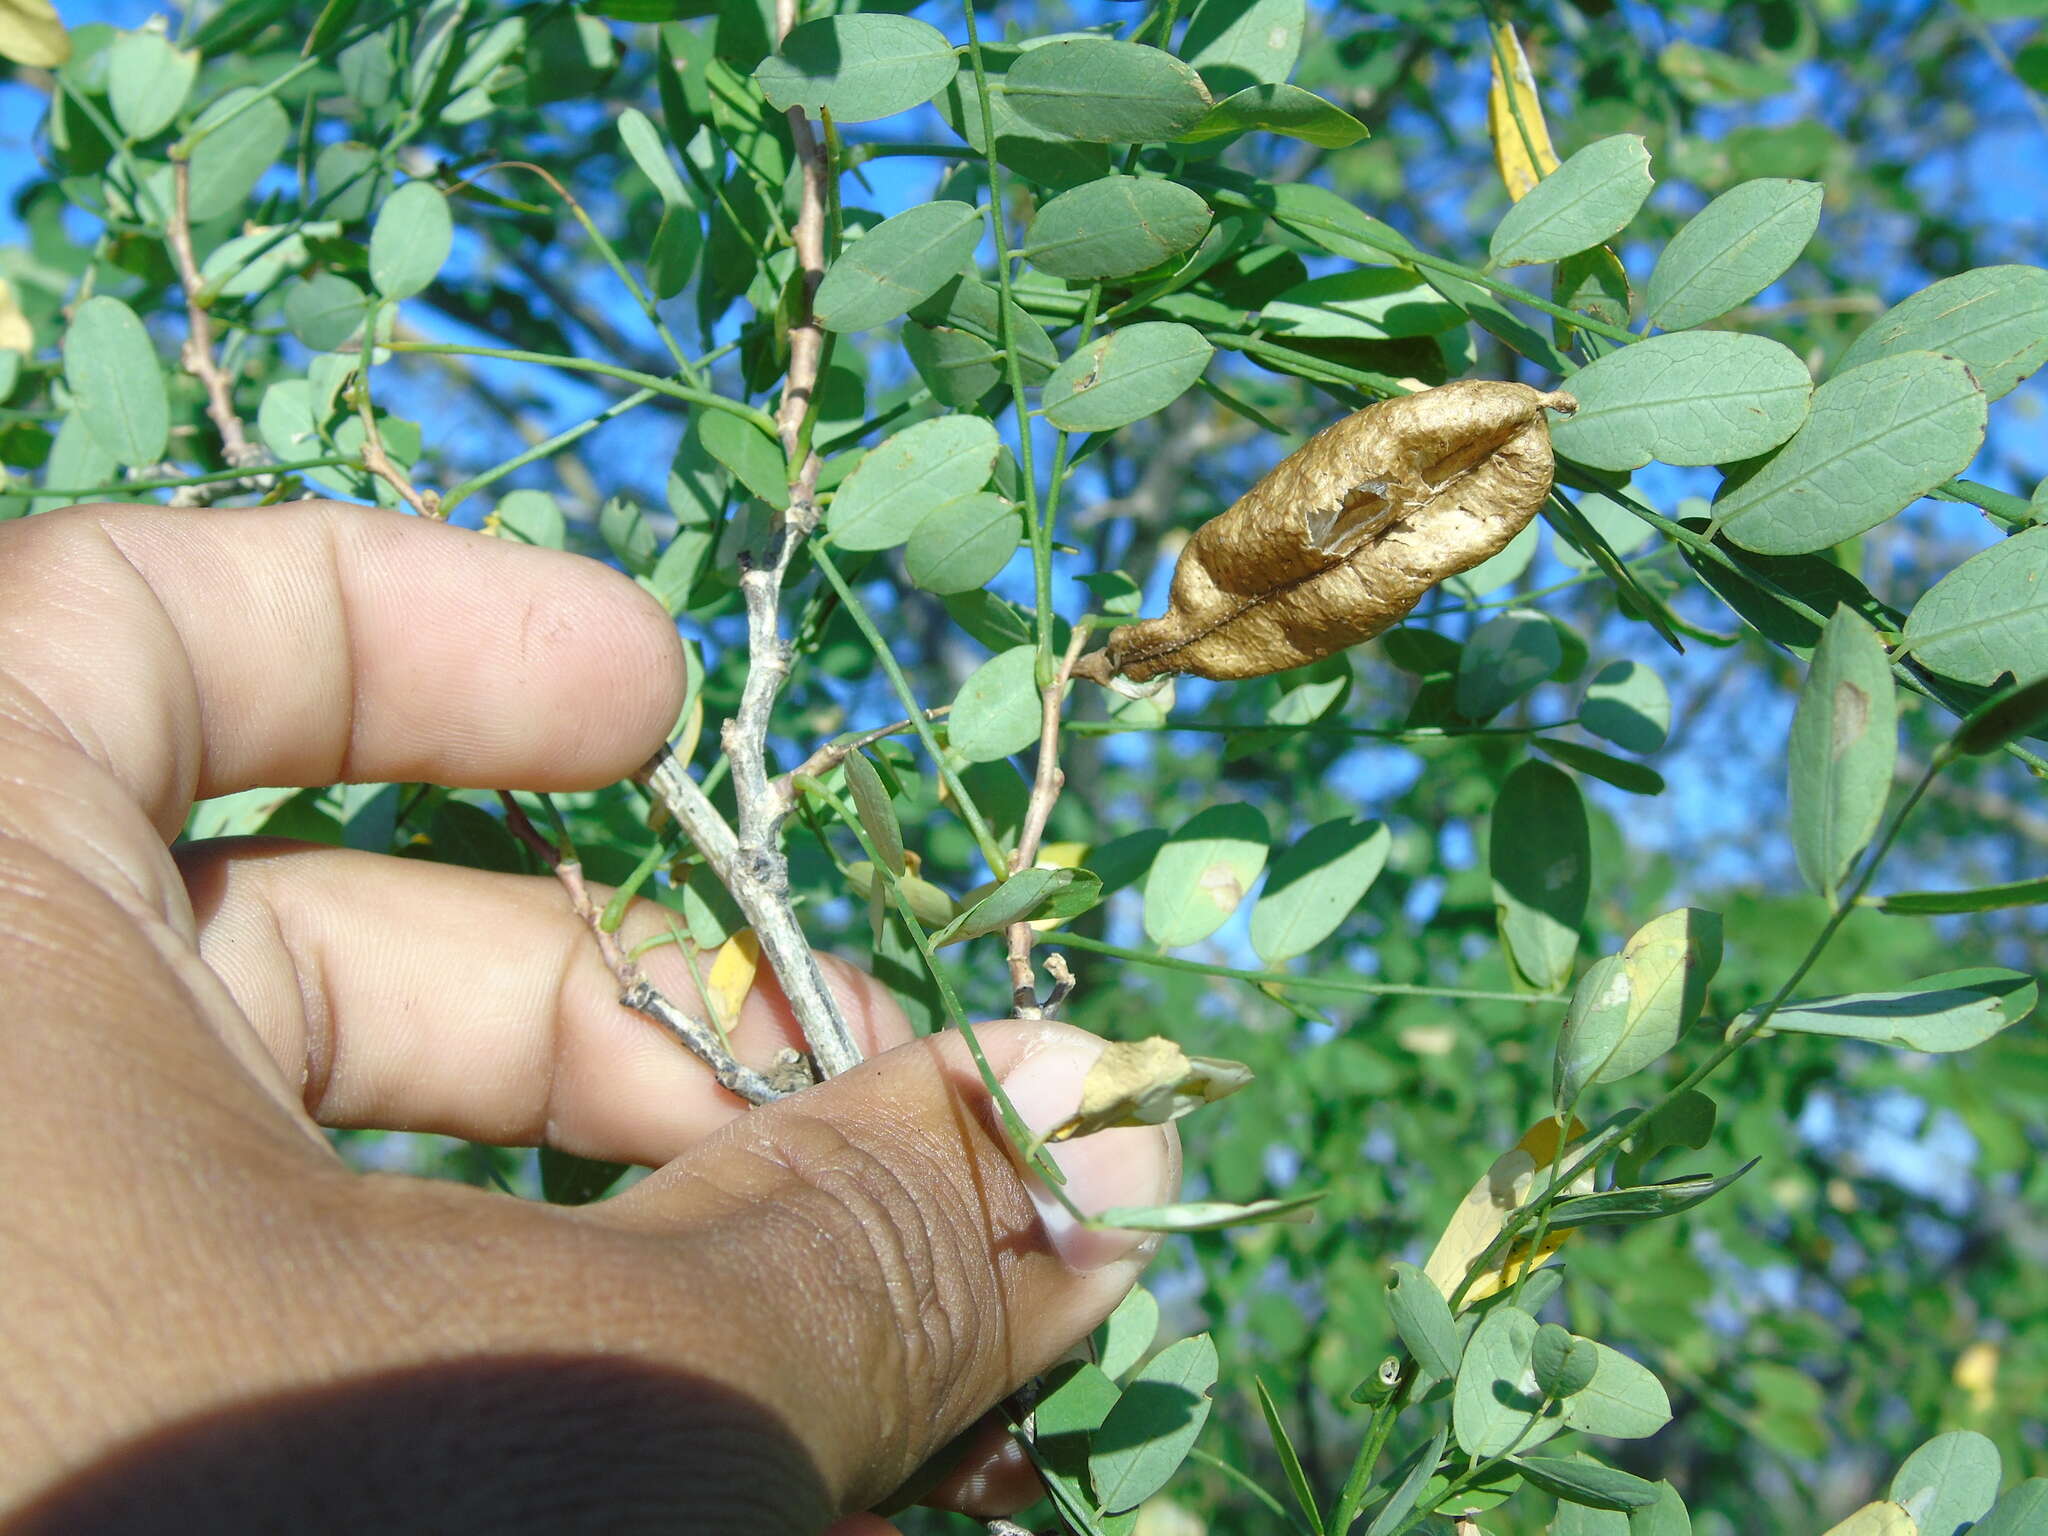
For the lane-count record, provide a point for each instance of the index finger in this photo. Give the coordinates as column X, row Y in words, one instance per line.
column 197, row 652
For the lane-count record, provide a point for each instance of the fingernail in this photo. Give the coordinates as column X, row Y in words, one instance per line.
column 1135, row 1165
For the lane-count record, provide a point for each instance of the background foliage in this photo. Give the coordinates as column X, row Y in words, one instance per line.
column 1195, row 298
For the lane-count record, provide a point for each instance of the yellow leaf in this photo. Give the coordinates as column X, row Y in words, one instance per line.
column 1881, row 1517
column 1520, row 148
column 732, row 977
column 1481, row 1214
column 31, row 34
column 16, row 334
column 1148, row 1082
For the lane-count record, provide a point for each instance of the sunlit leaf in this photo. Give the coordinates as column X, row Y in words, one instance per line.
column 1540, row 856
column 1993, row 318
column 1949, row 1012
column 909, row 476
column 1315, row 885
column 116, row 381
column 1733, row 249
column 1125, row 376
column 1701, row 397
column 899, row 263
column 1114, row 227
column 1106, row 92
column 1585, row 201
column 1876, row 439
column 1989, row 615
column 1203, row 873
column 858, row 68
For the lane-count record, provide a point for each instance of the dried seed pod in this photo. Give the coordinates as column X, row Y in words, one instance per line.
column 1342, row 537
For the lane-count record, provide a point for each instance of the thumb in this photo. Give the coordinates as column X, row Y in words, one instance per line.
column 889, row 1273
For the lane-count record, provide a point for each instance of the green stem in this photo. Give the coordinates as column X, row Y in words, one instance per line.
column 458, row 494
column 1244, row 1480
column 1303, row 983
column 660, row 386
column 1352, row 1499
column 991, row 850
column 1013, row 364
column 1316, row 728
column 211, row 477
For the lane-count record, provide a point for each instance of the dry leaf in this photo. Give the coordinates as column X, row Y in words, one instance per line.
column 1521, row 149
column 731, row 977
column 1148, row 1082
column 31, row 34
column 1341, row 538
column 1486, row 1208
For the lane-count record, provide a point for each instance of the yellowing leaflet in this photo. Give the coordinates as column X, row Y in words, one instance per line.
column 1521, row 149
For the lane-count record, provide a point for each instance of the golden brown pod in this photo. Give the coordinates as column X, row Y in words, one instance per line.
column 1341, row 538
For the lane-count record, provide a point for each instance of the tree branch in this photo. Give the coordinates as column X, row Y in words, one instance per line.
column 197, row 355
column 1046, row 785
column 635, row 990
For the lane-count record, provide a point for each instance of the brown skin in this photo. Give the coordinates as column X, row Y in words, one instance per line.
column 208, row 1321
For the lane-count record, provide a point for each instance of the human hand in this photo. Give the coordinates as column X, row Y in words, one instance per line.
column 208, row 1321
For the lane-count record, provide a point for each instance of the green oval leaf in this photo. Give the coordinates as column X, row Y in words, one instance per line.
column 1629, row 1009
column 1989, row 615
column 1106, row 92
column 1583, row 203
column 1146, row 1436
column 147, row 82
column 1627, row 703
column 1279, row 108
column 1030, row 895
column 2024, row 1509
column 1586, row 1482
column 226, row 165
column 1993, row 318
column 1540, row 858
column 1128, row 1332
column 900, row 262
column 1114, row 227
column 1697, row 397
column 1373, row 303
column 644, row 143
column 1207, row 1215
column 1623, row 1400
column 1563, row 1363
column 1505, row 658
column 1496, row 1391
column 1950, row 1012
column 1203, row 873
column 117, row 382
column 962, row 544
column 904, row 479
column 752, row 454
column 877, row 815
column 1124, row 376
column 412, row 238
column 1423, row 1319
column 1731, row 251
column 1239, row 43
column 1962, row 1470
column 858, row 68
column 324, row 311
column 1844, row 746
column 1315, row 885
column 997, row 710
column 1876, row 440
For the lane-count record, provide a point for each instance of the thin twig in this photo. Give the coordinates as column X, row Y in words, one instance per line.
column 376, row 461
column 198, row 355
column 635, row 990
column 749, row 857
column 1046, row 785
column 833, row 753
column 763, row 896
